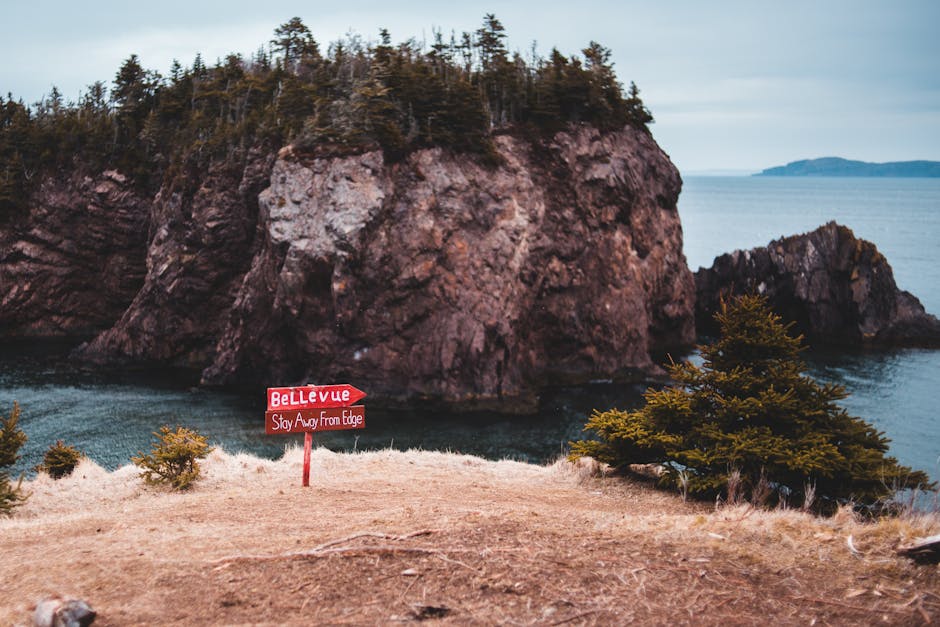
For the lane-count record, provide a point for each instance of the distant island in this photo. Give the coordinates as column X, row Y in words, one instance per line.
column 836, row 166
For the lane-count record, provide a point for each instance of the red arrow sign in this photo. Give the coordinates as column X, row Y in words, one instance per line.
column 313, row 397
column 309, row 420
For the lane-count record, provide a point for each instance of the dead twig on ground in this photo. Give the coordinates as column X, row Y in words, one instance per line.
column 374, row 534
column 324, row 549
column 857, row 608
column 575, row 617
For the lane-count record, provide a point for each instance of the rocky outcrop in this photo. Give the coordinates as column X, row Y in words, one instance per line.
column 76, row 263
column 434, row 277
column 440, row 278
column 835, row 287
column 201, row 246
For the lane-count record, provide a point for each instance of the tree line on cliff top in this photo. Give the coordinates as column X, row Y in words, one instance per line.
column 454, row 92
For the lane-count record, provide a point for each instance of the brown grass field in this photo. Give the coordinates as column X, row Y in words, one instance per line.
column 390, row 537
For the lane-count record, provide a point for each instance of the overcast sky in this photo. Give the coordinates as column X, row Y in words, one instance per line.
column 732, row 85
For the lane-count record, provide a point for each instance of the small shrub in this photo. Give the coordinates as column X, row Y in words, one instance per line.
column 12, row 439
column 59, row 460
column 174, row 459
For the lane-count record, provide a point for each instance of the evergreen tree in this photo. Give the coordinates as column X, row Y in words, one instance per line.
column 199, row 69
column 295, row 42
column 604, row 97
column 59, row 460
column 176, row 71
column 489, row 40
column 496, row 72
column 18, row 158
column 380, row 118
column 132, row 86
column 174, row 458
column 12, row 439
column 749, row 414
column 382, row 54
column 95, row 100
column 133, row 94
column 637, row 113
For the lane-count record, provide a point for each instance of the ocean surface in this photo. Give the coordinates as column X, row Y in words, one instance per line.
column 901, row 216
column 111, row 415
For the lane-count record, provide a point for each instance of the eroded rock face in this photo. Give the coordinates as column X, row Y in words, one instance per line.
column 835, row 287
column 435, row 277
column 440, row 278
column 78, row 260
column 199, row 250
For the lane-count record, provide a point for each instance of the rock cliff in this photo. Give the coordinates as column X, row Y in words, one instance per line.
column 838, row 289
column 74, row 266
column 200, row 246
column 435, row 277
column 440, row 278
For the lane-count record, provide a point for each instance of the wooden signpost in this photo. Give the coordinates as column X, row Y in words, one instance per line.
column 308, row 408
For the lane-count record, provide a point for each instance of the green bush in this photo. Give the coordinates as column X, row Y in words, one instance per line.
column 174, row 459
column 12, row 439
column 59, row 460
column 749, row 414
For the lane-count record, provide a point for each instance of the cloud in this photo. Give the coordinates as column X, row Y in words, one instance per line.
column 727, row 82
column 158, row 47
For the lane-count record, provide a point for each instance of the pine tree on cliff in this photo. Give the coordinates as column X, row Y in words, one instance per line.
column 749, row 420
column 295, row 42
column 605, row 102
column 133, row 94
column 452, row 95
column 495, row 69
column 637, row 113
column 132, row 87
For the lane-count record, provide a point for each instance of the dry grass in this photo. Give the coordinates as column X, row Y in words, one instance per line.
column 388, row 536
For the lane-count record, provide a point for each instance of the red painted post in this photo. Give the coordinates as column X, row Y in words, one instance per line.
column 308, row 443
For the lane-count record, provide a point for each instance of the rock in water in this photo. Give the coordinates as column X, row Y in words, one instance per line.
column 433, row 277
column 835, row 287
column 59, row 612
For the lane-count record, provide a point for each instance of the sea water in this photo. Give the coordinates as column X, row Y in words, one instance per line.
column 110, row 415
column 901, row 216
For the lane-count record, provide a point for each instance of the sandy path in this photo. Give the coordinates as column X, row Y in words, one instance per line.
column 386, row 537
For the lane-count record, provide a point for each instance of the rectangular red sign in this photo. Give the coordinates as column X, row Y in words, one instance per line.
column 323, row 419
column 313, row 396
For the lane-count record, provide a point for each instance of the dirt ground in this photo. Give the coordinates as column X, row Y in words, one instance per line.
column 389, row 537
